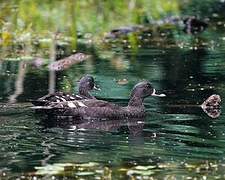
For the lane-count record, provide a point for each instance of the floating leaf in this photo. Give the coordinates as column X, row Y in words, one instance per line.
column 49, row 169
column 144, row 167
column 211, row 106
column 122, row 81
column 168, row 165
column 90, row 164
column 85, row 173
column 139, row 172
column 64, row 164
column 59, row 168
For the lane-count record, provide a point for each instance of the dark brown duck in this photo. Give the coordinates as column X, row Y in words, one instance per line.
column 86, row 84
column 93, row 108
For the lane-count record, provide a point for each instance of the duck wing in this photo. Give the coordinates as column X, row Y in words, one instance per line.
column 87, row 103
column 81, row 108
column 57, row 98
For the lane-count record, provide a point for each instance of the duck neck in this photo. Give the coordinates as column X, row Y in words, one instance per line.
column 84, row 93
column 136, row 101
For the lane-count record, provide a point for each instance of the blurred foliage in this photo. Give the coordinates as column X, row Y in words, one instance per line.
column 29, row 28
column 23, row 21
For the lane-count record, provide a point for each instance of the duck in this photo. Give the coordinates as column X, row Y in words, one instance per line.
column 100, row 109
column 86, row 84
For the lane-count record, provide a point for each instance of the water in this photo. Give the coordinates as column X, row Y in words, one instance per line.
column 176, row 140
column 172, row 141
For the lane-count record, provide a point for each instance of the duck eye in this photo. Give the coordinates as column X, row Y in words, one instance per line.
column 145, row 90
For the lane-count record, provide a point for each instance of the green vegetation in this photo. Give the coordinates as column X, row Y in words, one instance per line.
column 27, row 26
column 27, row 22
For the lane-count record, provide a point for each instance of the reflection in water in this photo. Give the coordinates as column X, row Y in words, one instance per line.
column 183, row 71
column 134, row 126
column 52, row 76
column 177, row 139
column 19, row 82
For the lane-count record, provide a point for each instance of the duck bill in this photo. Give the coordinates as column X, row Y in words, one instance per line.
column 97, row 88
column 157, row 95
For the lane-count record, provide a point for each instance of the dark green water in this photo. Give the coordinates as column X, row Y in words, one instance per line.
column 172, row 141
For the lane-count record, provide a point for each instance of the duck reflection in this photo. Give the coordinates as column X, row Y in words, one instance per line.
column 132, row 127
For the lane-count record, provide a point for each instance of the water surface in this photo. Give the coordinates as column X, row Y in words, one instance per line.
column 172, row 141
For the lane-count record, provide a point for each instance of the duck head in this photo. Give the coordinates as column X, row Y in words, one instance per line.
column 86, row 84
column 141, row 91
